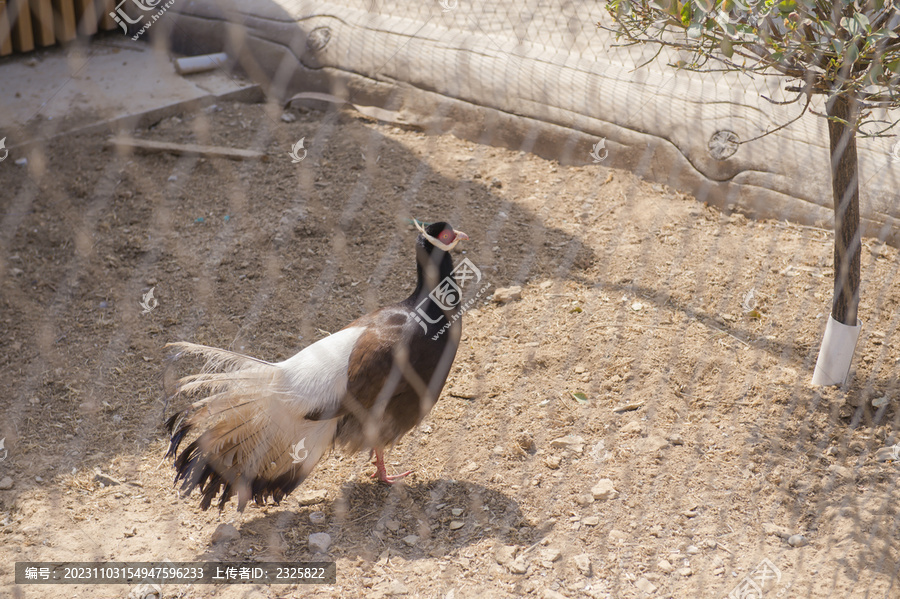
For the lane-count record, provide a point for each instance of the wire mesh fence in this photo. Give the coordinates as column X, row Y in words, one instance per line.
column 629, row 412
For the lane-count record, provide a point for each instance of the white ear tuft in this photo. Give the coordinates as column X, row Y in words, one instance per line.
column 435, row 242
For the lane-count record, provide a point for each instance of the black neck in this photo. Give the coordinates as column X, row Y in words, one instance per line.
column 431, row 270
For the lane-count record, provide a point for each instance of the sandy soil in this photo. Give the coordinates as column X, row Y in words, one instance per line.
column 696, row 404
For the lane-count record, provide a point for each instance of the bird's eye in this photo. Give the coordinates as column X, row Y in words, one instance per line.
column 446, row 236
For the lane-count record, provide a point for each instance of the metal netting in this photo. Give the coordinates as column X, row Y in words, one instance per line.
column 630, row 412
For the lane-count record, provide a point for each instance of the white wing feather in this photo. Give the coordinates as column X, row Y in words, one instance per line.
column 252, row 412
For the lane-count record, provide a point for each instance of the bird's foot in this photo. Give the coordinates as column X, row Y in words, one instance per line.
column 390, row 479
column 381, row 472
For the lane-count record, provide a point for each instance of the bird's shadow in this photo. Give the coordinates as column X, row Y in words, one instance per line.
column 368, row 521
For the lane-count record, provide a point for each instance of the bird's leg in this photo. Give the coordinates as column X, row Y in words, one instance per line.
column 381, row 472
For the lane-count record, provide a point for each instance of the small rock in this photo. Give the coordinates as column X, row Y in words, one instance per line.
column 591, row 521
column 225, row 533
column 392, row 525
column 583, row 563
column 6, row 484
column 645, row 585
column 553, row 461
column 628, row 407
column 551, row 554
column 319, row 542
column 632, row 428
column 571, row 442
column 676, row 439
column 604, row 490
column 579, row 370
column 172, row 178
column 22, row 162
column 504, row 554
column 16, row 272
column 617, row 535
column 397, row 588
column 456, row 525
column 652, row 444
column 507, row 294
column 841, row 471
column 692, row 550
column 288, row 117
column 774, row 529
column 797, row 541
column 599, row 453
column 109, row 481
column 457, row 511
column 888, row 454
column 131, row 532
column 517, row 566
column 317, row 517
column 39, row 479
column 584, row 499
column 663, row 565
column 686, row 571
column 710, row 544
column 470, row 467
column 551, row 594
column 411, row 540
column 496, row 183
column 313, row 497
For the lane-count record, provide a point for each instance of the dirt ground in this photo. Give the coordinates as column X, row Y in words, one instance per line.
column 695, row 398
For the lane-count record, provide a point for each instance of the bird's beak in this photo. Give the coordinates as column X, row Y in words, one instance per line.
column 460, row 236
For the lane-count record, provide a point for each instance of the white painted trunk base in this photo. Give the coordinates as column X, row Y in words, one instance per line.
column 836, row 353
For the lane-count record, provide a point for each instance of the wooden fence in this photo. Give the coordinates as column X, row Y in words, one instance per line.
column 29, row 24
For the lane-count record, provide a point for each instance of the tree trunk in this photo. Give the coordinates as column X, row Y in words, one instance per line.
column 845, row 190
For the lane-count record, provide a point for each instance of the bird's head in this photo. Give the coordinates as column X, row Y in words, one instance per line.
column 438, row 235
